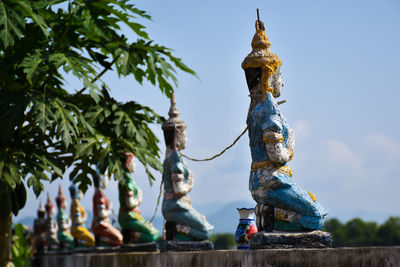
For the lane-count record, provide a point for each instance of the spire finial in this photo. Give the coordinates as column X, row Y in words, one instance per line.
column 49, row 204
column 41, row 207
column 60, row 199
column 173, row 120
column 173, row 110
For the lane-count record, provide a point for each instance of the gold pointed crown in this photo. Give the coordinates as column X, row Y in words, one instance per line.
column 173, row 121
column 262, row 57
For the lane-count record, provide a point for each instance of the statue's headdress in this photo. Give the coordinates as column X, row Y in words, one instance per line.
column 261, row 57
column 173, row 121
column 61, row 199
column 97, row 180
column 41, row 211
column 173, row 125
column 49, row 205
column 73, row 190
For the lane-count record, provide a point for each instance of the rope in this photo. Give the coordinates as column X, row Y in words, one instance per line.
column 219, row 154
column 158, row 201
column 199, row 160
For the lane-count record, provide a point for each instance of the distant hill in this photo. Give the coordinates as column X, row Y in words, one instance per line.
column 27, row 221
column 224, row 217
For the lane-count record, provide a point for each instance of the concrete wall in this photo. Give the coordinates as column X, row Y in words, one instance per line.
column 372, row 256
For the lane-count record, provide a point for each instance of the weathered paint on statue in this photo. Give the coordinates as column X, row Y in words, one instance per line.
column 178, row 182
column 78, row 217
column 39, row 229
column 63, row 221
column 102, row 208
column 130, row 197
column 51, row 225
column 272, row 145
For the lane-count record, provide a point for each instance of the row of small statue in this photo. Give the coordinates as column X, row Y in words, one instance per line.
column 183, row 222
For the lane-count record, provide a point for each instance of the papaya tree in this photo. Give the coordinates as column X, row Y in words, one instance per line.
column 47, row 127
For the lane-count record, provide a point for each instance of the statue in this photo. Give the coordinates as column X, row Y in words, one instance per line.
column 51, row 226
column 102, row 208
column 39, row 229
column 64, row 236
column 78, row 216
column 134, row 226
column 281, row 203
column 183, row 222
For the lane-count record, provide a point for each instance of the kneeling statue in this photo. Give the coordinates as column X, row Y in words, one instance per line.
column 102, row 208
column 183, row 222
column 134, row 227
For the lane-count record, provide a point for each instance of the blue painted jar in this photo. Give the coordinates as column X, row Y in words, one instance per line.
column 246, row 228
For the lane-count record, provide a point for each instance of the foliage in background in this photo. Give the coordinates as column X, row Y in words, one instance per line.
column 223, row 241
column 44, row 128
column 21, row 250
column 357, row 233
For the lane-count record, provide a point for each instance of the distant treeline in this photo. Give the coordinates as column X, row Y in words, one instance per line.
column 358, row 233
column 354, row 233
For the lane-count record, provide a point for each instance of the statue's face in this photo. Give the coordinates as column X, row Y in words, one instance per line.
column 103, row 181
column 80, row 194
column 131, row 165
column 276, row 83
column 181, row 139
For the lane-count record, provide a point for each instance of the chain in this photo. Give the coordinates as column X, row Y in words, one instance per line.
column 219, row 154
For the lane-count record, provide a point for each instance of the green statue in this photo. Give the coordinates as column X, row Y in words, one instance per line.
column 134, row 227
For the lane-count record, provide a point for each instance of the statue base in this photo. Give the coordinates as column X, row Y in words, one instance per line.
column 105, row 249
column 172, row 245
column 278, row 240
column 139, row 247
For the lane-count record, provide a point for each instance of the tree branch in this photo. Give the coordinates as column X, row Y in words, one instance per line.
column 100, row 74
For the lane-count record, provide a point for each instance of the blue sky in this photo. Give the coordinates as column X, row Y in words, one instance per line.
column 341, row 67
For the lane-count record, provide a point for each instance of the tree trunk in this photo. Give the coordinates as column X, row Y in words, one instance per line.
column 5, row 241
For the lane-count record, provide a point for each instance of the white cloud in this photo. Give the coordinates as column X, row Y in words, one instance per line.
column 340, row 153
column 383, row 144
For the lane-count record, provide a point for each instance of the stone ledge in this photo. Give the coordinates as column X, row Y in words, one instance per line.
column 186, row 246
column 368, row 256
column 276, row 240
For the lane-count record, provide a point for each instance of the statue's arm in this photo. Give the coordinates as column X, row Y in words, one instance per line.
column 179, row 185
column 103, row 207
column 83, row 214
column 274, row 143
column 132, row 200
column 68, row 223
column 190, row 181
column 77, row 214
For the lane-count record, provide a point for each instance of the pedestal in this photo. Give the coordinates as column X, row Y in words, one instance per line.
column 140, row 247
column 171, row 245
column 314, row 239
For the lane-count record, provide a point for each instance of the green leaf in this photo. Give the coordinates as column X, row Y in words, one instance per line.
column 35, row 17
column 122, row 16
column 35, row 183
column 34, row 63
column 11, row 24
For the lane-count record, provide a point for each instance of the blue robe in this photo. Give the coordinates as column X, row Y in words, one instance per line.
column 180, row 210
column 273, row 187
